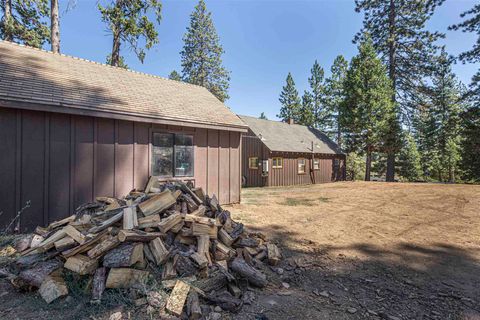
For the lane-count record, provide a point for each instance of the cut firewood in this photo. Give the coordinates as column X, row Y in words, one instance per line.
column 159, row 251
column 36, row 240
column 194, row 311
column 130, row 219
column 187, row 190
column 199, row 229
column 158, row 203
column 199, row 193
column 169, row 271
column 169, row 222
column 64, row 243
column 200, row 259
column 107, row 223
column 147, row 253
column 125, row 255
column 98, row 285
column 126, row 278
column 215, row 282
column 199, row 219
column 60, row 223
column 81, row 264
column 49, row 243
column 199, row 212
column 225, row 237
column 273, row 254
column 148, row 221
column 227, row 251
column 203, row 246
column 87, row 245
column 152, row 182
column 137, row 235
column 254, row 276
column 103, row 247
column 74, row 234
column 176, row 228
column 234, row 290
column 35, row 276
column 177, row 298
column 52, row 288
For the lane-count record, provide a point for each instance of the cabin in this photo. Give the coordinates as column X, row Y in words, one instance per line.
column 72, row 130
column 283, row 154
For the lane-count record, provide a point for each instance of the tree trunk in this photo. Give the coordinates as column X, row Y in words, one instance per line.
column 115, row 57
column 339, row 135
column 390, row 176
column 368, row 165
column 7, row 18
column 54, row 27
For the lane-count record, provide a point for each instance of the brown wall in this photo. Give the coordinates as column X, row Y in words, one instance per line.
column 58, row 162
column 288, row 174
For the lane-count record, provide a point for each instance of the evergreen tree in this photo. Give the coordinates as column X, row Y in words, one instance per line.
column 470, row 163
column 263, row 116
column 129, row 23
column 368, row 105
column 306, row 113
column 334, row 95
column 410, row 160
column 355, row 166
column 202, row 54
column 398, row 32
column 174, row 75
column 290, row 101
column 322, row 116
column 25, row 21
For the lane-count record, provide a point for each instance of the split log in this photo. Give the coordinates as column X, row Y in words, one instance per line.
column 184, row 266
column 60, row 223
column 194, row 311
column 225, row 237
column 74, row 234
column 49, row 243
column 125, row 255
column 246, row 242
column 203, row 246
column 158, row 250
column 52, row 288
column 169, row 222
column 214, row 204
column 177, row 298
column 199, row 193
column 169, row 271
column 36, row 240
column 107, row 223
column 126, row 278
column 176, row 228
column 137, row 235
column 24, row 243
column 192, row 194
column 199, row 229
column 147, row 253
column 35, row 276
column 81, row 264
column 148, row 221
column 216, row 281
column 87, row 245
column 273, row 254
column 191, row 204
column 200, row 259
column 152, row 183
column 103, row 247
column 158, row 203
column 224, row 250
column 254, row 276
column 234, row 290
column 64, row 243
column 98, row 285
column 180, row 238
column 225, row 301
column 130, row 219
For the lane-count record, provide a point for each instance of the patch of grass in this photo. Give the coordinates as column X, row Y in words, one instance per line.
column 293, row 202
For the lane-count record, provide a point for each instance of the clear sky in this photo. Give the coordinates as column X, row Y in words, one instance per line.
column 263, row 41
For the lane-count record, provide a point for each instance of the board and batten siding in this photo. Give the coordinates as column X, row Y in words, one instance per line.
column 59, row 161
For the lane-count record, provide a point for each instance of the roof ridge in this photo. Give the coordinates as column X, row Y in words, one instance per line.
column 98, row 63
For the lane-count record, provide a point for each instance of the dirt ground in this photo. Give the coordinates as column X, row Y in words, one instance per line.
column 351, row 251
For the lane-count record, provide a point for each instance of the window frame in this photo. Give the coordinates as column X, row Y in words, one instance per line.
column 317, row 162
column 174, row 158
column 277, row 166
column 250, row 163
column 304, row 166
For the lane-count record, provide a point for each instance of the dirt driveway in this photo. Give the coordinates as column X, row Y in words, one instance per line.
column 369, row 250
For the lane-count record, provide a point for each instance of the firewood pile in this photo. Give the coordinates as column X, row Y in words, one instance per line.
column 169, row 237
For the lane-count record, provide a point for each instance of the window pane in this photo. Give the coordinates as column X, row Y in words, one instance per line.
column 253, row 163
column 183, row 140
column 163, row 139
column 162, row 154
column 183, row 161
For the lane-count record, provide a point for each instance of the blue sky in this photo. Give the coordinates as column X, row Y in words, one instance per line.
column 263, row 41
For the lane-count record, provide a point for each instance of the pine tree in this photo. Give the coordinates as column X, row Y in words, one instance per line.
column 410, row 160
column 334, row 94
column 263, row 116
column 470, row 163
column 202, row 54
column 322, row 116
column 24, row 21
column 290, row 101
column 174, row 75
column 306, row 113
column 368, row 105
column 129, row 23
column 398, row 32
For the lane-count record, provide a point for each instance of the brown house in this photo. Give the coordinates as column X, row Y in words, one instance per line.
column 282, row 154
column 72, row 129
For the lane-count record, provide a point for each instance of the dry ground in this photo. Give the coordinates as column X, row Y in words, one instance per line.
column 352, row 251
column 370, row 250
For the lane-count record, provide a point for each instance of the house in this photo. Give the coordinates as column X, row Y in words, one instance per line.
column 281, row 154
column 72, row 129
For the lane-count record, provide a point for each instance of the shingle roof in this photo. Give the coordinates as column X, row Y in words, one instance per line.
column 36, row 76
column 284, row 137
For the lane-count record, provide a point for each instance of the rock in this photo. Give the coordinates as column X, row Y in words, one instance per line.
column 217, row 309
column 351, row 310
column 115, row 316
column 285, row 293
column 285, row 285
column 214, row 316
column 280, row 271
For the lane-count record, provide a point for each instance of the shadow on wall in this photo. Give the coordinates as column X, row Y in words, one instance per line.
column 406, row 281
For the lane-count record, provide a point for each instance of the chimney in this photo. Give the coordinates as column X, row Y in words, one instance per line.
column 290, row 121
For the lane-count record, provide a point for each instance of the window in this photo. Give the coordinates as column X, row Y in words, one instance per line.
column 172, row 155
column 301, row 166
column 253, row 163
column 316, row 164
column 277, row 163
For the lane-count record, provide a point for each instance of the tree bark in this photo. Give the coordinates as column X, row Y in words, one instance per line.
column 368, row 165
column 54, row 26
column 7, row 17
column 390, row 176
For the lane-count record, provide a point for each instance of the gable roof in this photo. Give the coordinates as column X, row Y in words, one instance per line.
column 284, row 137
column 70, row 84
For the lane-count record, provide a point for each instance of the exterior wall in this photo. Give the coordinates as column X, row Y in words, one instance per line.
column 58, row 161
column 288, row 174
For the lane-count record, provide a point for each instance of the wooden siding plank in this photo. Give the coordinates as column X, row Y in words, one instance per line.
column 224, row 168
column 83, row 186
column 212, row 177
column 140, row 159
column 201, row 159
column 235, row 167
column 105, row 158
column 124, row 159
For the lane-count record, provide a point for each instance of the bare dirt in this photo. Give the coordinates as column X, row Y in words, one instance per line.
column 351, row 251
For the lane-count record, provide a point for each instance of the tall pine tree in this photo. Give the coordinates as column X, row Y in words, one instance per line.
column 202, row 54
column 368, row 105
column 322, row 116
column 306, row 113
column 398, row 32
column 335, row 94
column 410, row 160
column 129, row 23
column 470, row 163
column 290, row 101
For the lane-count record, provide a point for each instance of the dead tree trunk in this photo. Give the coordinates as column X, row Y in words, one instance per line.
column 54, row 27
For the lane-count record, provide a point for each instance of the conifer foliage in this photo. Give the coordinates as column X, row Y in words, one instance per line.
column 290, row 101
column 201, row 56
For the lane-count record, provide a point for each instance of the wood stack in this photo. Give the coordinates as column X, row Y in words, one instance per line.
column 169, row 233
